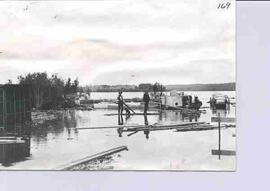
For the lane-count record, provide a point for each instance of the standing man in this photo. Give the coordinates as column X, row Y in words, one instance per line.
column 146, row 100
column 120, row 102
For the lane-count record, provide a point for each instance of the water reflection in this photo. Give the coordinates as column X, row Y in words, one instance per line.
column 178, row 116
column 146, row 132
column 127, row 113
column 70, row 119
column 222, row 112
column 120, row 120
column 120, row 131
column 53, row 129
column 66, row 125
column 72, row 133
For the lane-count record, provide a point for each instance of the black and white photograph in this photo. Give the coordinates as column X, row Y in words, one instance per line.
column 118, row 85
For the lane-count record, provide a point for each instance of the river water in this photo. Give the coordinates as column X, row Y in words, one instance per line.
column 58, row 142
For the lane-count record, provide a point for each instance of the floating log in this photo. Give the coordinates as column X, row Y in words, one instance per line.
column 132, row 133
column 112, row 114
column 133, row 106
column 204, row 107
column 196, row 126
column 161, row 127
column 223, row 152
column 110, row 127
column 201, row 128
column 182, row 127
column 141, row 126
column 87, row 159
column 223, row 119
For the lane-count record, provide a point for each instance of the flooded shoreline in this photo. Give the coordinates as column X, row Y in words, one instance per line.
column 58, row 141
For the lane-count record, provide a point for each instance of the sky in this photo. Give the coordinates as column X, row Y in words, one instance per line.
column 119, row 41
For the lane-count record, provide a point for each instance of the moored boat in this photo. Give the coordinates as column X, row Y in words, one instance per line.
column 219, row 101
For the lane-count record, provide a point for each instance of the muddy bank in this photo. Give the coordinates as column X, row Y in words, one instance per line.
column 40, row 117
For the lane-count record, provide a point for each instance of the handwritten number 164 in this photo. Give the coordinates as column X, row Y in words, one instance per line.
column 224, row 5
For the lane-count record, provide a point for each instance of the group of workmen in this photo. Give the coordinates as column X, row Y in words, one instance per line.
column 120, row 101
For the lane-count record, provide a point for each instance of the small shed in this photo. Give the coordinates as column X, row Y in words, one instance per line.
column 15, row 109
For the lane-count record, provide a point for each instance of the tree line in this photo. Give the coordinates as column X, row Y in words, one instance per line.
column 48, row 92
column 156, row 87
column 203, row 87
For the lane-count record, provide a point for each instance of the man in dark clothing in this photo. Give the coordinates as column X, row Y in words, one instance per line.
column 146, row 100
column 120, row 102
column 198, row 103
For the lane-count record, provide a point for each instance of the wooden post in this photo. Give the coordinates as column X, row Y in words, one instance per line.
column 219, row 137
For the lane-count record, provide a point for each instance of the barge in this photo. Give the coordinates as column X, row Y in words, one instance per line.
column 179, row 100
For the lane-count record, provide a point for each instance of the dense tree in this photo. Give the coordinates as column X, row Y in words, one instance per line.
column 75, row 85
column 39, row 84
column 47, row 92
column 157, row 87
column 68, row 86
column 145, row 87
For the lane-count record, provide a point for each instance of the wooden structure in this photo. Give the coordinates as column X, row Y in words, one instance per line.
column 15, row 119
column 15, row 110
column 178, row 100
column 13, row 149
column 220, row 152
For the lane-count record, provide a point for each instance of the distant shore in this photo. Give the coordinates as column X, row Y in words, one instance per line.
column 165, row 91
column 179, row 87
